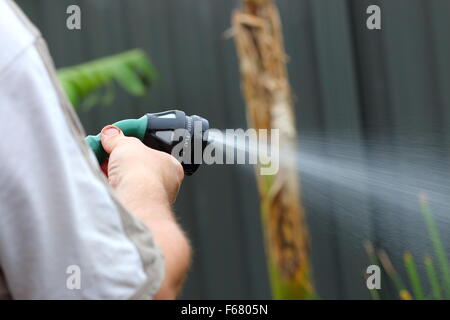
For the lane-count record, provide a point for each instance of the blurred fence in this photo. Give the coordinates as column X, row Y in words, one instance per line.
column 347, row 80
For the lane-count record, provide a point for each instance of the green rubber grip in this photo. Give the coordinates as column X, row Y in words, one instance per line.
column 130, row 127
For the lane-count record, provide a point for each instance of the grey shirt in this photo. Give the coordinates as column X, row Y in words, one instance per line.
column 63, row 234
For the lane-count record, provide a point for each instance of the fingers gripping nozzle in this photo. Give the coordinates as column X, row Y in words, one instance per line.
column 173, row 132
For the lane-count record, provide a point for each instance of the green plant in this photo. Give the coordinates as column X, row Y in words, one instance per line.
column 437, row 244
column 433, row 279
column 432, row 274
column 413, row 276
column 83, row 83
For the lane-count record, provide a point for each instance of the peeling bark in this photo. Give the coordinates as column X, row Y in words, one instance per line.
column 265, row 85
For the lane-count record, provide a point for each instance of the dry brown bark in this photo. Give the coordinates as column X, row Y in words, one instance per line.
column 265, row 85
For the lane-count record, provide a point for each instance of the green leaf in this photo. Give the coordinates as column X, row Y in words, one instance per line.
column 128, row 79
column 433, row 279
column 393, row 274
column 413, row 276
column 83, row 84
column 437, row 243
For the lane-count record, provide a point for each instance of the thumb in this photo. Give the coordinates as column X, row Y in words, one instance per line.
column 111, row 136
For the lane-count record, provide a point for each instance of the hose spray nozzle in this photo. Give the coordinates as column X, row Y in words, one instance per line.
column 173, row 132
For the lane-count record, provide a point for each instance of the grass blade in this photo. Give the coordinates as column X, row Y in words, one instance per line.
column 433, row 279
column 437, row 243
column 405, row 295
column 395, row 277
column 413, row 276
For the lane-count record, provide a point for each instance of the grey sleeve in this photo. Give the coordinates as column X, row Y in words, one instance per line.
column 62, row 234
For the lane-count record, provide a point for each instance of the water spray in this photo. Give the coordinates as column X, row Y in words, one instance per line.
column 342, row 166
column 157, row 131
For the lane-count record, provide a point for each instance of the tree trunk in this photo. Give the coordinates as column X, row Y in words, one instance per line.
column 265, row 85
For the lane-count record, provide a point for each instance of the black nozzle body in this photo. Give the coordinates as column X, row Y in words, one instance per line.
column 173, row 132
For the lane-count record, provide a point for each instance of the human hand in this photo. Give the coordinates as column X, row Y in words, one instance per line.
column 140, row 175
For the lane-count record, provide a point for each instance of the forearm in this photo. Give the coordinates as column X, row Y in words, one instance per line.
column 177, row 252
column 158, row 217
